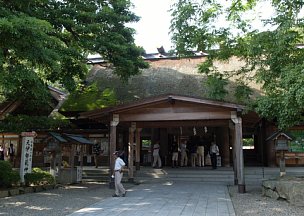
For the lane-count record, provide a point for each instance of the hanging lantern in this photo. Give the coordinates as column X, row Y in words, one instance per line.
column 205, row 129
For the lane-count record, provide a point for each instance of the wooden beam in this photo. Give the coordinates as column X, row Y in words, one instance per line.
column 169, row 124
column 174, row 116
column 185, row 108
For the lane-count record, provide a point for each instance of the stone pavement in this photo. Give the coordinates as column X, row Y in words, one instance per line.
column 165, row 199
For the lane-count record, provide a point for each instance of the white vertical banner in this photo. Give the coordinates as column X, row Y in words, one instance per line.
column 26, row 153
column 79, row 174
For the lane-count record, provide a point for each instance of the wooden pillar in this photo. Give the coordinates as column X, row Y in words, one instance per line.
column 59, row 161
column 262, row 141
column 239, row 151
column 164, row 148
column 72, row 162
column 112, row 147
column 81, row 161
column 53, row 164
column 225, row 148
column 155, row 136
column 271, row 154
column 282, row 164
column 232, row 134
column 131, row 152
column 81, row 155
column 137, row 149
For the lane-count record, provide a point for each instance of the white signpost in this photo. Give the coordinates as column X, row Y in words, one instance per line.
column 26, row 153
column 79, row 174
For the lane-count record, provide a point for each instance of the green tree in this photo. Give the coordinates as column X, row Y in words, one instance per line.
column 47, row 41
column 271, row 53
column 216, row 86
column 89, row 98
column 20, row 123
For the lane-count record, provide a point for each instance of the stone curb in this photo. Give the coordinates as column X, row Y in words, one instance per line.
column 23, row 190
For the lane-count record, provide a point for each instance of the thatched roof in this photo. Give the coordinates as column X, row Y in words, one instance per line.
column 165, row 76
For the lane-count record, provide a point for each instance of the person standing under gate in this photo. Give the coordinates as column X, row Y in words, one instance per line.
column 118, row 174
column 156, row 157
column 184, row 157
column 174, row 150
column 201, row 154
column 193, row 152
column 11, row 154
column 1, row 153
column 96, row 152
column 214, row 151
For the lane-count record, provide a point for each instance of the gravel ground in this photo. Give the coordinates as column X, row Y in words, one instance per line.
column 253, row 203
column 62, row 201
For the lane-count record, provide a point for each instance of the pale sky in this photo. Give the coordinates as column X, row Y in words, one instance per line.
column 153, row 27
column 152, row 31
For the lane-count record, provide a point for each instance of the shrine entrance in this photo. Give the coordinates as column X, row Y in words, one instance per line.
column 177, row 117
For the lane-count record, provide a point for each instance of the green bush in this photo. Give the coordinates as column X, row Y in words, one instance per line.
column 8, row 176
column 38, row 177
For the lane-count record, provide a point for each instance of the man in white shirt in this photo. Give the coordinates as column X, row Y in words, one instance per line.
column 156, row 157
column 119, row 164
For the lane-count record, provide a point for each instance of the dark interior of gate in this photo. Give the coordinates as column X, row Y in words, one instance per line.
column 200, row 134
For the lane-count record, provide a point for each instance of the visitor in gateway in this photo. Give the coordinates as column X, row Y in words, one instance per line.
column 118, row 174
column 156, row 157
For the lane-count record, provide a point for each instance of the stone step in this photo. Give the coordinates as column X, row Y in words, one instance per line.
column 202, row 174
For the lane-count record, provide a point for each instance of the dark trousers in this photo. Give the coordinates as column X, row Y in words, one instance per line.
column 213, row 160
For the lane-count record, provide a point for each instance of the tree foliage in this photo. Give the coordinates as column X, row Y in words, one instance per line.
column 47, row 41
column 8, row 176
column 90, row 98
column 216, row 86
column 271, row 51
column 20, row 123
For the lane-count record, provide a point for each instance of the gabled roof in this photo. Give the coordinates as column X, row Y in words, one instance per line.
column 173, row 97
column 8, row 107
column 278, row 134
column 58, row 137
column 65, row 138
column 56, row 93
column 11, row 106
column 79, row 138
column 170, row 98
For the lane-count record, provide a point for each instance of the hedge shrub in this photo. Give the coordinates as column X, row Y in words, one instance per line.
column 8, row 176
column 38, row 177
